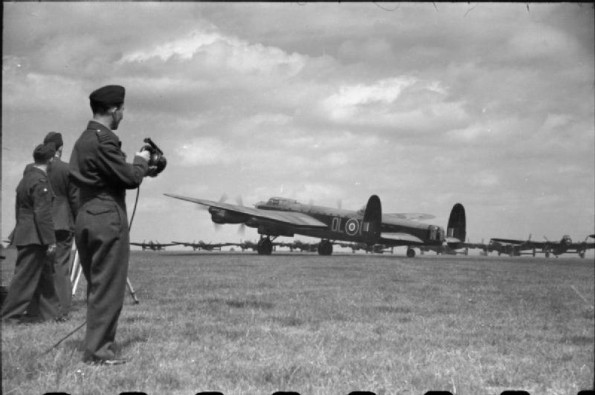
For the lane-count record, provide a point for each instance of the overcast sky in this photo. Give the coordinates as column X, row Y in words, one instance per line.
column 423, row 104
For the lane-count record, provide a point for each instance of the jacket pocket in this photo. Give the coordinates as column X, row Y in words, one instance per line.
column 105, row 215
column 100, row 210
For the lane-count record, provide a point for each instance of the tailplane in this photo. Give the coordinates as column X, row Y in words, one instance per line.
column 456, row 232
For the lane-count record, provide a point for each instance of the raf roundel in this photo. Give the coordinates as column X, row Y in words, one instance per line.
column 352, row 227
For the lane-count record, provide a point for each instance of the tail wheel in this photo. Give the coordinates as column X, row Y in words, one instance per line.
column 410, row 253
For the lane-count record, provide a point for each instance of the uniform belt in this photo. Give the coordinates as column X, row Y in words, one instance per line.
column 87, row 194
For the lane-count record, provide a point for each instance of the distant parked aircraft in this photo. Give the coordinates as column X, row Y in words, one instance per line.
column 446, row 250
column 152, row 246
column 565, row 245
column 375, row 248
column 294, row 245
column 201, row 245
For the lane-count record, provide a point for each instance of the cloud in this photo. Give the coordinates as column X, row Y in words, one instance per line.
column 539, row 42
column 217, row 51
column 402, row 103
column 487, row 104
column 205, row 151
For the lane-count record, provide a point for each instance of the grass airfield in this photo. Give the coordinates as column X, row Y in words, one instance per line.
column 240, row 323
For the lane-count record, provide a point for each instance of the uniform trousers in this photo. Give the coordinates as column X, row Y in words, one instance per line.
column 32, row 287
column 63, row 266
column 102, row 240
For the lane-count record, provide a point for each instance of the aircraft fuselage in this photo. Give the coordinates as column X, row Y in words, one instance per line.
column 341, row 224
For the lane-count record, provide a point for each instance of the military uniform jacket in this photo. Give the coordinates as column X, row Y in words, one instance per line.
column 66, row 195
column 98, row 166
column 33, row 210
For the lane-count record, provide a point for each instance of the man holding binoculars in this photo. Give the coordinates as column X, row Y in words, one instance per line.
column 99, row 168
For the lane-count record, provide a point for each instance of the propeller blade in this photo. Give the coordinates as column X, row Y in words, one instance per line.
column 242, row 229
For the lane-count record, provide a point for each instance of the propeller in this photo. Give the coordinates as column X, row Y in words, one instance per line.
column 242, row 226
column 222, row 199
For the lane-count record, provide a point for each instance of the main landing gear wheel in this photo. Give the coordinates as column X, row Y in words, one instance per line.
column 265, row 246
column 325, row 247
column 410, row 253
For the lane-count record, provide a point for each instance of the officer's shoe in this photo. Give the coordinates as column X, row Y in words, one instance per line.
column 113, row 362
column 105, row 362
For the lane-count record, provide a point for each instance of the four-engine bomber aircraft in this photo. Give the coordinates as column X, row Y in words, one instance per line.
column 152, row 246
column 565, row 245
column 201, row 245
column 287, row 217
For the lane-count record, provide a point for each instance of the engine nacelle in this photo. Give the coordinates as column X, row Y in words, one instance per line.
column 273, row 229
column 221, row 216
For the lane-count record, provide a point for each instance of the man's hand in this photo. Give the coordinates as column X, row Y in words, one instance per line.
column 51, row 250
column 146, row 155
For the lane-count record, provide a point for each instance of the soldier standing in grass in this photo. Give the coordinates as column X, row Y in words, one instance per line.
column 32, row 287
column 99, row 168
column 64, row 212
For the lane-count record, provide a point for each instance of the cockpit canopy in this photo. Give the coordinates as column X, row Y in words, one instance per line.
column 277, row 202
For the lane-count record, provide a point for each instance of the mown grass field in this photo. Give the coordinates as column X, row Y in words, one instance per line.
column 248, row 324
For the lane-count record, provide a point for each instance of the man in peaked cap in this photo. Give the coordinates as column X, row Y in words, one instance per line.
column 32, row 287
column 64, row 212
column 99, row 168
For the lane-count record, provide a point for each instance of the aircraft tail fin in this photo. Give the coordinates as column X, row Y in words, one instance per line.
column 372, row 220
column 456, row 232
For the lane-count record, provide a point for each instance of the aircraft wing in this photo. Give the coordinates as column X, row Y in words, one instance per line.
column 387, row 217
column 523, row 244
column 580, row 246
column 282, row 217
column 528, row 243
column 402, row 238
column 475, row 245
column 509, row 241
column 138, row 244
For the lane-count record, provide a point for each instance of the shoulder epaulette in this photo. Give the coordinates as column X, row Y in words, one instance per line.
column 102, row 136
